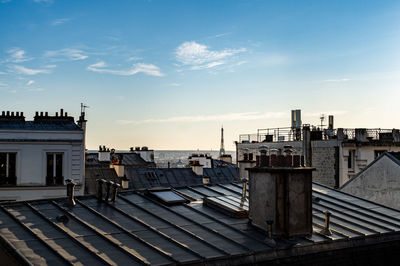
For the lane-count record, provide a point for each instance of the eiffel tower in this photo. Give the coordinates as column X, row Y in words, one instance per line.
column 222, row 149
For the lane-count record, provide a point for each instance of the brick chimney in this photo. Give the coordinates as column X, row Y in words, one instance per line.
column 280, row 194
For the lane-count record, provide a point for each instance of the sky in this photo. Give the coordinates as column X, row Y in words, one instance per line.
column 169, row 74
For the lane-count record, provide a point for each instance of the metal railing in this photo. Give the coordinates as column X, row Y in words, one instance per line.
column 290, row 134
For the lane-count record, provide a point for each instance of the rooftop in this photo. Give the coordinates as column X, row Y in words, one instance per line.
column 139, row 228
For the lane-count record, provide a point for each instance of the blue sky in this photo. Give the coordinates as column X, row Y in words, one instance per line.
column 168, row 74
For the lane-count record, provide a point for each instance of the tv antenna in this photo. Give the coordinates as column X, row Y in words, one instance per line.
column 322, row 118
column 83, row 107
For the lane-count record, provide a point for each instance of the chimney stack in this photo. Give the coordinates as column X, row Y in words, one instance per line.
column 281, row 194
column 245, row 163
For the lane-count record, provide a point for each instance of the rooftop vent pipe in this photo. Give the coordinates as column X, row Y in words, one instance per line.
column 244, row 190
column 108, row 188
column 327, row 231
column 70, row 192
column 115, row 187
column 100, row 183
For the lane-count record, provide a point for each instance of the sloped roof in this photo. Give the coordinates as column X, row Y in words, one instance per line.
column 129, row 160
column 145, row 178
column 43, row 125
column 222, row 175
column 137, row 229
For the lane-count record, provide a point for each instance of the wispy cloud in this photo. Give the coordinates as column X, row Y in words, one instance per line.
column 5, row 1
column 36, row 89
column 148, row 69
column 174, row 84
column 3, row 84
column 60, row 21
column 17, row 55
column 29, row 71
column 199, row 56
column 48, row 2
column 134, row 58
column 336, row 80
column 208, row 118
column 29, row 83
column 67, row 54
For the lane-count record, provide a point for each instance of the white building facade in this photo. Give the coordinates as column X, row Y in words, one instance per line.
column 36, row 157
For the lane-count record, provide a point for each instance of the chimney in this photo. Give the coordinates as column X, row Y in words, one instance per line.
column 197, row 168
column 244, row 164
column 330, row 122
column 103, row 154
column 281, row 194
column 307, row 145
column 361, row 135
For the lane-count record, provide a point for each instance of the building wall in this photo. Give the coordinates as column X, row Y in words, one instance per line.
column 325, row 159
column 31, row 160
column 363, row 156
column 379, row 183
column 255, row 148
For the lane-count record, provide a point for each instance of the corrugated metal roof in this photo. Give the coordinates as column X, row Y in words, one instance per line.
column 138, row 229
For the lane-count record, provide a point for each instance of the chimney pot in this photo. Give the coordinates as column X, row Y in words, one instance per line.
column 41, row 113
column 46, row 114
column 56, row 114
column 61, row 112
column 8, row 113
column 37, row 114
column 3, row 113
column 17, row 113
column 66, row 114
column 22, row 113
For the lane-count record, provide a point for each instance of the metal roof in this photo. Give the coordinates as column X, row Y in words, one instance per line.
column 129, row 160
column 145, row 178
column 139, row 229
column 33, row 125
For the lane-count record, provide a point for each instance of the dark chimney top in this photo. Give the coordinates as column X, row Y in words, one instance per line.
column 12, row 117
column 63, row 118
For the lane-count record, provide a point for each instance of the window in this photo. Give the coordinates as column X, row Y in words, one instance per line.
column 250, row 157
column 350, row 161
column 7, row 168
column 379, row 153
column 54, row 169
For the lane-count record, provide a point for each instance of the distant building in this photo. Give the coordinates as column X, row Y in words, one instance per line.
column 37, row 157
column 114, row 165
column 337, row 154
column 378, row 182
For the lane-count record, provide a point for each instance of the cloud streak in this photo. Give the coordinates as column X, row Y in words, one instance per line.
column 208, row 118
column 18, row 55
column 336, row 80
column 29, row 71
column 199, row 56
column 148, row 69
column 59, row 21
column 29, row 83
column 67, row 54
